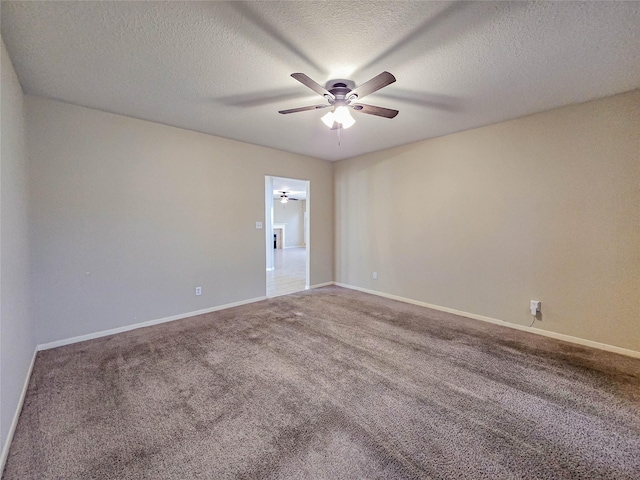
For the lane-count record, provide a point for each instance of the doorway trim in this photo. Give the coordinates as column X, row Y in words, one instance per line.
column 269, row 223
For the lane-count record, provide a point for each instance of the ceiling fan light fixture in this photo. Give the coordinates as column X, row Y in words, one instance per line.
column 340, row 115
column 343, row 117
column 283, row 199
column 328, row 119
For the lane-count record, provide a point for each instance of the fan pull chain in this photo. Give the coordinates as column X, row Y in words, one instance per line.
column 338, row 130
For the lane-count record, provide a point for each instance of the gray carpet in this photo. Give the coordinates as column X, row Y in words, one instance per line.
column 328, row 383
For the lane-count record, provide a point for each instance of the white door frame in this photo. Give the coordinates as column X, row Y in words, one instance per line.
column 268, row 219
column 268, row 230
column 307, row 238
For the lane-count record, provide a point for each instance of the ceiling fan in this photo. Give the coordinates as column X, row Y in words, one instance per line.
column 342, row 95
column 284, row 198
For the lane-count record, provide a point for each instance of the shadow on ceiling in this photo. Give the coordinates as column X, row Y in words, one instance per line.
column 249, row 14
column 429, row 100
column 453, row 21
column 257, row 99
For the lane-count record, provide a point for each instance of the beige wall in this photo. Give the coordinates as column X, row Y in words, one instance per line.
column 129, row 216
column 545, row 207
column 17, row 332
column 292, row 215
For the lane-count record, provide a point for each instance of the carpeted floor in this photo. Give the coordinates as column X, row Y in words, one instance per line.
column 330, row 384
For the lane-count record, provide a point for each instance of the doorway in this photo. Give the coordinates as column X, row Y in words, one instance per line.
column 287, row 235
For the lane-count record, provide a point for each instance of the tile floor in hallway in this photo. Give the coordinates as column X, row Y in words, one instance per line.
column 289, row 274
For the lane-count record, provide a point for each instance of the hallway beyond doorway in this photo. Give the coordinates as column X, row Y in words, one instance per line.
column 289, row 273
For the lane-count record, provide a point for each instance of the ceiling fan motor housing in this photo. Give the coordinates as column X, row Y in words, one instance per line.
column 340, row 89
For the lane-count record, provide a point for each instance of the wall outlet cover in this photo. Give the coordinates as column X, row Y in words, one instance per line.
column 534, row 306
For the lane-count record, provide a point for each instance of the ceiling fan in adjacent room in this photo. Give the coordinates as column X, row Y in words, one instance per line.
column 341, row 95
column 284, row 198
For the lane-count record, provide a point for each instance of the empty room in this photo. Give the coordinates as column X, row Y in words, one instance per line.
column 324, row 240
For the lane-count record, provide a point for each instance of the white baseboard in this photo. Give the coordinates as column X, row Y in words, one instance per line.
column 16, row 415
column 126, row 328
column 318, row 285
column 545, row 333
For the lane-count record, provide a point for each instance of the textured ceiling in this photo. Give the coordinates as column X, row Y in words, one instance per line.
column 223, row 68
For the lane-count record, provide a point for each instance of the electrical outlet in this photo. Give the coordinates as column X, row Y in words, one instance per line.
column 198, row 290
column 375, row 275
column 534, row 306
